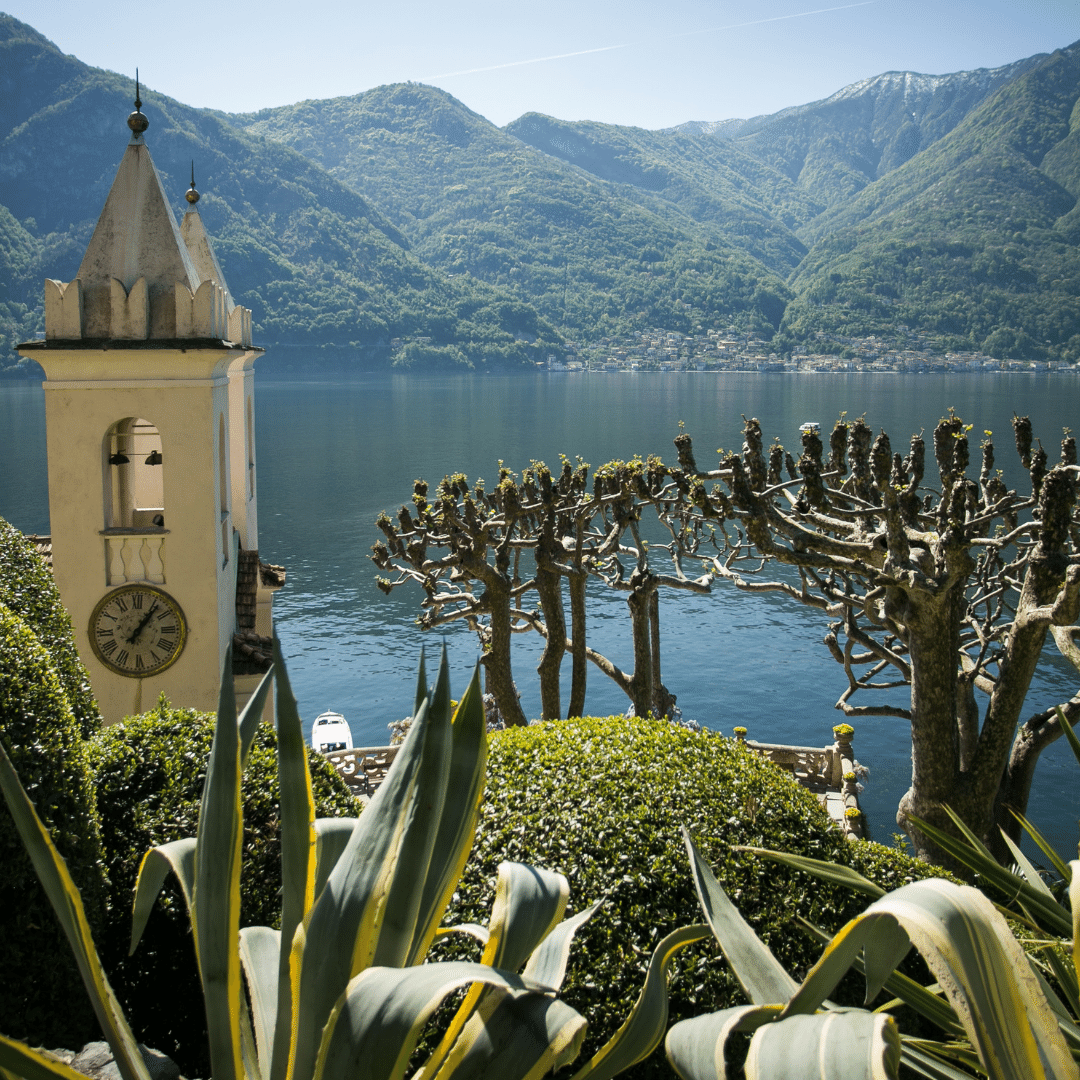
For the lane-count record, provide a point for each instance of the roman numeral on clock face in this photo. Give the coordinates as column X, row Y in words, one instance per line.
column 137, row 631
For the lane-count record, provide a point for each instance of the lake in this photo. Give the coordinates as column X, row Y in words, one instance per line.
column 335, row 451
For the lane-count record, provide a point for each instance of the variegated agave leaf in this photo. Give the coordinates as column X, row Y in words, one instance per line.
column 53, row 874
column 968, row 946
column 389, row 883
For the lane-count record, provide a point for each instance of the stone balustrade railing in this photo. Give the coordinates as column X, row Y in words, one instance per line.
column 828, row 771
column 135, row 555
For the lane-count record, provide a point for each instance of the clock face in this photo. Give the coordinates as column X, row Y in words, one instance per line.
column 137, row 630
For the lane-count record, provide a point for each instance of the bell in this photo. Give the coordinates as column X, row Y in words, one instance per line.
column 119, row 459
column 154, row 458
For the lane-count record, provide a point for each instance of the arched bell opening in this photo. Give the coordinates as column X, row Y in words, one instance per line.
column 134, row 495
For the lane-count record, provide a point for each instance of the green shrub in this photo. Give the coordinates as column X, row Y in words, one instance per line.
column 149, row 771
column 27, row 589
column 603, row 800
column 43, row 741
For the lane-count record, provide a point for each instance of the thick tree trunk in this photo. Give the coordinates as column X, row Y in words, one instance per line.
column 496, row 660
column 549, row 589
column 663, row 700
column 933, row 630
column 1015, row 758
column 578, row 580
column 641, row 684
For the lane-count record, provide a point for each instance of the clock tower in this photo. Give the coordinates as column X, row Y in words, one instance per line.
column 149, row 402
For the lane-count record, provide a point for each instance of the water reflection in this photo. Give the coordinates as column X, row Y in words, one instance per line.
column 333, row 453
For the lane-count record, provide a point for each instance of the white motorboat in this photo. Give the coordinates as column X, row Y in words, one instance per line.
column 811, row 427
column 331, row 731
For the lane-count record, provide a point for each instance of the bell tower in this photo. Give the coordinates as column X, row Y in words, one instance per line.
column 149, row 401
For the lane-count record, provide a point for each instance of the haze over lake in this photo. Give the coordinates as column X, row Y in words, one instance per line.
column 335, row 451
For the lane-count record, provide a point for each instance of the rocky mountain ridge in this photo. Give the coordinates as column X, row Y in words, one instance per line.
column 398, row 225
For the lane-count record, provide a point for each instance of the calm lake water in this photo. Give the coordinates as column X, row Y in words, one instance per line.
column 333, row 452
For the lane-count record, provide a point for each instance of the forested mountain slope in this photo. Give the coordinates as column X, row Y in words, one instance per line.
column 942, row 203
column 946, row 204
column 316, row 262
column 594, row 255
column 976, row 238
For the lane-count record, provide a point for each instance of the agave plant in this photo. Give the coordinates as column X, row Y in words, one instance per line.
column 1002, row 1018
column 342, row 991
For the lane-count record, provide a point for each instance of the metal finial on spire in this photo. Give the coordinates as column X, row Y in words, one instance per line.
column 137, row 121
column 192, row 195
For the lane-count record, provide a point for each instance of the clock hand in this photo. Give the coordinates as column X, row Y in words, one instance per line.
column 145, row 619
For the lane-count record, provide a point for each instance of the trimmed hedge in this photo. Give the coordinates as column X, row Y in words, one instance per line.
column 42, row 1000
column 601, row 800
column 27, row 589
column 149, row 772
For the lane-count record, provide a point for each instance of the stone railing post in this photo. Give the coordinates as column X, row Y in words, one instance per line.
column 846, row 781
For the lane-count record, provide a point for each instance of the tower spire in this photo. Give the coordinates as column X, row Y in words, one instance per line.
column 192, row 195
column 137, row 121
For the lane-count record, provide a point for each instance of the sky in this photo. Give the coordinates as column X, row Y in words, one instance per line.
column 646, row 64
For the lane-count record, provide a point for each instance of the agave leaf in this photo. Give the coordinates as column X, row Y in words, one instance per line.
column 922, row 1063
column 216, row 899
column 395, row 936
column 457, row 825
column 1070, row 733
column 249, row 1053
column 934, row 1060
column 515, row 1036
column 695, row 1047
column 849, row 1045
column 298, row 857
column 260, row 948
column 53, row 874
column 251, row 715
column 178, row 856
column 967, row 834
column 528, row 903
column 374, row 1026
column 833, row 873
column 1049, row 913
column 890, row 945
column 332, row 837
column 1066, row 1024
column 547, row 965
column 1066, row 976
column 474, row 930
column 947, row 1052
column 18, row 1060
column 968, row 946
column 643, row 1029
column 1074, row 903
column 760, row 974
column 1044, row 845
column 922, row 999
column 422, row 689
column 1031, row 875
column 337, row 940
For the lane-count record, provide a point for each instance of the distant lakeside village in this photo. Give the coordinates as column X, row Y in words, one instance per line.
column 727, row 350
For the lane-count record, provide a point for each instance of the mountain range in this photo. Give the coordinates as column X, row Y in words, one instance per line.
column 398, row 226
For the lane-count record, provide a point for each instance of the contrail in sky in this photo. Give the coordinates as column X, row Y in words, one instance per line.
column 631, row 44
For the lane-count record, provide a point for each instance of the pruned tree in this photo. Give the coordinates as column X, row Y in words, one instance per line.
column 467, row 550
column 939, row 592
column 464, row 539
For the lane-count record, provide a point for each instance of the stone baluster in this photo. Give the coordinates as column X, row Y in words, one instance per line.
column 114, row 562
column 847, row 781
